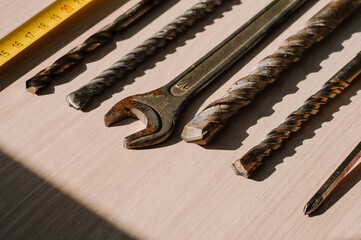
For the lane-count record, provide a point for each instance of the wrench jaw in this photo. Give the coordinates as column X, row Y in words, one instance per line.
column 120, row 111
column 154, row 132
column 144, row 139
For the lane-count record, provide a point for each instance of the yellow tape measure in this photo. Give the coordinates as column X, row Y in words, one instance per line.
column 36, row 27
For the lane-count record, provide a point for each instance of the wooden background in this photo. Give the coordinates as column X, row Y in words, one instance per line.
column 63, row 174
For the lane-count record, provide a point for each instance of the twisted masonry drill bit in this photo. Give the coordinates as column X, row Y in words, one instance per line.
column 213, row 118
column 79, row 98
column 331, row 183
column 333, row 87
column 77, row 55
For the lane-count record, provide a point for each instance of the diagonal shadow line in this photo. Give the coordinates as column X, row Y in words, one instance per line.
column 307, row 131
column 161, row 54
column 31, row 208
column 346, row 184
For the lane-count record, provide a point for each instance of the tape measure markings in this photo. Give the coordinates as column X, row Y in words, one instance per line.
column 37, row 26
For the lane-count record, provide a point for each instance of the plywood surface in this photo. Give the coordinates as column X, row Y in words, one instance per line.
column 65, row 175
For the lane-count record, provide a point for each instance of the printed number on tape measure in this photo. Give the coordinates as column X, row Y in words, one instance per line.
column 36, row 27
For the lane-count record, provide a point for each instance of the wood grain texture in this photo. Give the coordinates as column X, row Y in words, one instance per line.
column 65, row 175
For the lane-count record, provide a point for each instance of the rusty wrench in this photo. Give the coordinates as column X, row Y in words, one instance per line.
column 160, row 108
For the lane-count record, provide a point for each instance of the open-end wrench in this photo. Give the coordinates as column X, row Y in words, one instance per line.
column 160, row 108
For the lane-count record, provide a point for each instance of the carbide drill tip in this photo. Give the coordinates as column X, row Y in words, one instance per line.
column 194, row 134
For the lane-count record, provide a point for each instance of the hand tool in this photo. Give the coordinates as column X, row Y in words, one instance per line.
column 333, row 181
column 215, row 116
column 79, row 53
column 38, row 26
column 79, row 98
column 160, row 108
column 333, row 87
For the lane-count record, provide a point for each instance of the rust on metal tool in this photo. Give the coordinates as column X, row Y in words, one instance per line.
column 333, row 87
column 80, row 98
column 335, row 178
column 159, row 109
column 214, row 117
column 75, row 56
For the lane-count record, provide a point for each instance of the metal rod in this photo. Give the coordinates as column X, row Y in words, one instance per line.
column 333, row 87
column 333, row 181
column 79, row 98
column 75, row 56
column 215, row 116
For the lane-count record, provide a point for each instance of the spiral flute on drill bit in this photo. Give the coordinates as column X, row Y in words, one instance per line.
column 79, row 98
column 214, row 117
column 78, row 54
column 333, row 87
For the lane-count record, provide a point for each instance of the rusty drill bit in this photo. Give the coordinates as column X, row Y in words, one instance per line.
column 333, row 87
column 79, row 98
column 333, row 181
column 77, row 55
column 214, row 117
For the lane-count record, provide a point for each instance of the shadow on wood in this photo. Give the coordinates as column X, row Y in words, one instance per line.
column 31, row 208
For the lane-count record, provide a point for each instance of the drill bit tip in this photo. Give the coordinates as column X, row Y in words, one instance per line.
column 312, row 205
column 33, row 86
column 239, row 169
column 193, row 134
column 70, row 100
column 32, row 89
column 200, row 131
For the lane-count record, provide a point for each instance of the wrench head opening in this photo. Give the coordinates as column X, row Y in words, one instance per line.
column 155, row 131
